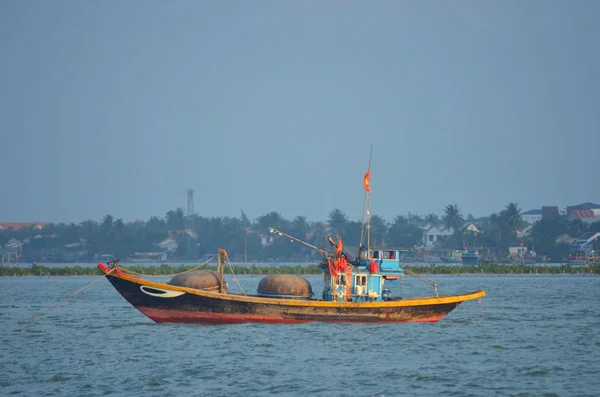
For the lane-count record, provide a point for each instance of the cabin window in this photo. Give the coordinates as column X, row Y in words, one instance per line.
column 430, row 237
column 361, row 280
column 375, row 254
column 389, row 255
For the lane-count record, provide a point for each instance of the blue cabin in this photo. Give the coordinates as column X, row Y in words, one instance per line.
column 470, row 257
column 364, row 280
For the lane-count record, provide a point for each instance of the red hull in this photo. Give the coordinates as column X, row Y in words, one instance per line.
column 182, row 316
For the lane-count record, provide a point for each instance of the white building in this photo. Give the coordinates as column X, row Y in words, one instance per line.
column 563, row 239
column 532, row 216
column 432, row 234
column 471, row 228
column 169, row 244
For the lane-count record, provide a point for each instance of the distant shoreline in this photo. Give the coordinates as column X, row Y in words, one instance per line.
column 312, row 269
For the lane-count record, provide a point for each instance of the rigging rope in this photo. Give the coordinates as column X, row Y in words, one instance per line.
column 166, row 275
column 233, row 274
column 66, row 298
column 424, row 279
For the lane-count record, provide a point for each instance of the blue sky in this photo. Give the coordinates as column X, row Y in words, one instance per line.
column 112, row 107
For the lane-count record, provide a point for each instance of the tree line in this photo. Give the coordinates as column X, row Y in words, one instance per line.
column 250, row 240
column 170, row 270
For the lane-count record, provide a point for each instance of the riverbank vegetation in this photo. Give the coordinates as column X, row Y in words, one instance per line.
column 169, row 270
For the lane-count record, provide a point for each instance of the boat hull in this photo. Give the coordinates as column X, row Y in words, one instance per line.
column 165, row 303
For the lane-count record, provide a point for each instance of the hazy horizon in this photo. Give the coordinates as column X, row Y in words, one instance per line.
column 119, row 107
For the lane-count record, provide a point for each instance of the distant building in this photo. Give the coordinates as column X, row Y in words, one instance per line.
column 532, row 216
column 169, row 244
column 563, row 239
column 189, row 231
column 586, row 212
column 524, row 232
column 470, row 227
column 149, row 257
column 433, row 234
column 21, row 225
column 80, row 243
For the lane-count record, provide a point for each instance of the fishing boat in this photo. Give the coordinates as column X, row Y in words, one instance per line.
column 470, row 257
column 530, row 258
column 353, row 291
column 451, row 256
column 582, row 250
column 583, row 258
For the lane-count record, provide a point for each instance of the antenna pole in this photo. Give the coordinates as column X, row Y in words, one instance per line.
column 282, row 234
column 367, row 210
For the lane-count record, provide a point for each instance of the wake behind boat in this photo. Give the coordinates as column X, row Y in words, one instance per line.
column 353, row 290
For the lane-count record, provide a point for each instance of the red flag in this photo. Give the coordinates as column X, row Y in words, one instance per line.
column 332, row 268
column 339, row 247
column 367, row 181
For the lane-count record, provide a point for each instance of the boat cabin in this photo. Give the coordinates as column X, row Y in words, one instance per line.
column 364, row 280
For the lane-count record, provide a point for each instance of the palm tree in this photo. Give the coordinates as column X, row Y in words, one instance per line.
column 402, row 233
column 176, row 219
column 244, row 219
column 452, row 218
column 494, row 230
column 512, row 216
column 415, row 219
column 301, row 227
column 318, row 236
column 432, row 219
column 88, row 228
column 338, row 222
column 510, row 221
column 272, row 219
column 107, row 222
column 378, row 230
column 576, row 227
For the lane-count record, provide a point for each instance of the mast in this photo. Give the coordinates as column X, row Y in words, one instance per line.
column 221, row 259
column 367, row 206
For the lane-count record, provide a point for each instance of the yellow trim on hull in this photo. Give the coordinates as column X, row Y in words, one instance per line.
column 421, row 301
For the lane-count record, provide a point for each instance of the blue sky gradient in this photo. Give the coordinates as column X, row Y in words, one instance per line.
column 117, row 107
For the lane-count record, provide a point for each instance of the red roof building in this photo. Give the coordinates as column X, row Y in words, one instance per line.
column 21, row 225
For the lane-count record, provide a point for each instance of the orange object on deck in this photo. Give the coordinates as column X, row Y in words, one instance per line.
column 373, row 267
column 349, row 284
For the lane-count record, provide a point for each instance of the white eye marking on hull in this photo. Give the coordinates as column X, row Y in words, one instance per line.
column 160, row 293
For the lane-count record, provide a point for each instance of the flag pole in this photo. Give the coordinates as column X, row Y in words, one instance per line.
column 369, row 208
column 366, row 209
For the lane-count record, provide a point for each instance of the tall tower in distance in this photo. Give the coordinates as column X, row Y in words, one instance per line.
column 190, row 206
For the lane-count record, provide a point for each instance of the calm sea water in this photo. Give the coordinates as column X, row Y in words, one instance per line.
column 531, row 336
